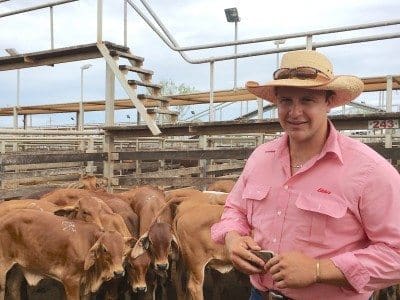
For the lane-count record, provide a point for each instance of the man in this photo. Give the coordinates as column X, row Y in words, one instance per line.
column 325, row 204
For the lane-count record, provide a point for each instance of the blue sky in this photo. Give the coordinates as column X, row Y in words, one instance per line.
column 191, row 23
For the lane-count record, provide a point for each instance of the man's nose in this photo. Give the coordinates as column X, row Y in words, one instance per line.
column 296, row 110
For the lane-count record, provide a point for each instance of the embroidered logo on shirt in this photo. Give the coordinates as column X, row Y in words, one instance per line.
column 322, row 190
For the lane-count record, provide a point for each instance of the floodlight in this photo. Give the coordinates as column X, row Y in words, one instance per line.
column 232, row 14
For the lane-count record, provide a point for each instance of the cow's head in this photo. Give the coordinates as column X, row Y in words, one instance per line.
column 104, row 259
column 159, row 241
column 87, row 209
column 137, row 268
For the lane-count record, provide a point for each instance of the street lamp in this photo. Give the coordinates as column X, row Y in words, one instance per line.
column 81, row 119
column 232, row 16
column 277, row 43
column 13, row 52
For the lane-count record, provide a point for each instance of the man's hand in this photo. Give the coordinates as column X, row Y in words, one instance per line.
column 292, row 270
column 239, row 253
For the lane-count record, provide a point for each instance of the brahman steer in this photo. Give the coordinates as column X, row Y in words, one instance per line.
column 154, row 224
column 109, row 201
column 192, row 224
column 76, row 253
column 224, row 185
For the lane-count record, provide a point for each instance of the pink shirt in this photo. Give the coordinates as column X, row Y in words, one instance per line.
column 343, row 204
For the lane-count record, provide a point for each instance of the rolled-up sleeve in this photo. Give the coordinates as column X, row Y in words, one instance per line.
column 377, row 265
column 234, row 217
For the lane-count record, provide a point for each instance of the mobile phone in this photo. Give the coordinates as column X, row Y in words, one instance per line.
column 265, row 255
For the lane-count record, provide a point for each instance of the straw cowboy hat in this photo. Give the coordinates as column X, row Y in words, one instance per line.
column 312, row 70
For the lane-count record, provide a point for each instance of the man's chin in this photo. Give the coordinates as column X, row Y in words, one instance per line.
column 297, row 135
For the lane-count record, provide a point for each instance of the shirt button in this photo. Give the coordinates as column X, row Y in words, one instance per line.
column 274, row 240
column 285, row 186
column 279, row 213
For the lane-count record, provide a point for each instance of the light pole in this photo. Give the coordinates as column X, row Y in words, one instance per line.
column 232, row 16
column 81, row 119
column 12, row 52
column 277, row 43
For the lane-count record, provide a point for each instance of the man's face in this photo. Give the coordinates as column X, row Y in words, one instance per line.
column 303, row 113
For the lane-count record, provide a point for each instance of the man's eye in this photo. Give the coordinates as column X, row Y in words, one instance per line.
column 285, row 100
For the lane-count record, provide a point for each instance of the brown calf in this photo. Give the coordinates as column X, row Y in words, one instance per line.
column 78, row 254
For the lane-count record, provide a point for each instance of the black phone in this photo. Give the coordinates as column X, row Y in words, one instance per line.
column 265, row 255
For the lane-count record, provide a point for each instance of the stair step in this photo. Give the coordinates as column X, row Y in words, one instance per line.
column 162, row 111
column 135, row 69
column 146, row 84
column 152, row 97
column 126, row 55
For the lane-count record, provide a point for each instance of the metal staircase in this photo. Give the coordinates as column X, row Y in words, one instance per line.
column 122, row 71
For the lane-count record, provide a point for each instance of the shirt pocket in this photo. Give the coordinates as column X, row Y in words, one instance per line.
column 317, row 211
column 257, row 199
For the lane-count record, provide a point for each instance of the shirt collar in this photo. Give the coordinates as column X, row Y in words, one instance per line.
column 280, row 147
column 332, row 144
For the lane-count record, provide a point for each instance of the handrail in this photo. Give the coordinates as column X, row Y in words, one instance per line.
column 172, row 43
column 32, row 8
column 20, row 11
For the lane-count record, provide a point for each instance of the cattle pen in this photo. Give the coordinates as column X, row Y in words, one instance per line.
column 162, row 148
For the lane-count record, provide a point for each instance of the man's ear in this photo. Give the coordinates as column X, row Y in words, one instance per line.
column 330, row 97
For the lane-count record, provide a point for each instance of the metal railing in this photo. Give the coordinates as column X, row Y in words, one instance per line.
column 32, row 8
column 170, row 41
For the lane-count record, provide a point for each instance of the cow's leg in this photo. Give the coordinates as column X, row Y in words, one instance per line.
column 72, row 291
column 14, row 284
column 4, row 268
column 195, row 283
column 178, row 275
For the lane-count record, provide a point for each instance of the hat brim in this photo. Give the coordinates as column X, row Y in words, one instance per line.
column 346, row 88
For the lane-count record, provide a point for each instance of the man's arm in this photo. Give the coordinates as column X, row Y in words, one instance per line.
column 297, row 270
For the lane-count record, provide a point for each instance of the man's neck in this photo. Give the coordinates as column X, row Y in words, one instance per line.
column 300, row 152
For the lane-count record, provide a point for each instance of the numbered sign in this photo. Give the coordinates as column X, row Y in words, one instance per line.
column 382, row 124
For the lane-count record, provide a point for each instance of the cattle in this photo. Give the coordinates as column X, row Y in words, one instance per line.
column 123, row 209
column 389, row 293
column 146, row 201
column 192, row 224
column 7, row 206
column 154, row 224
column 78, row 254
column 90, row 182
column 224, row 185
column 90, row 207
column 156, row 236
column 185, row 194
column 67, row 196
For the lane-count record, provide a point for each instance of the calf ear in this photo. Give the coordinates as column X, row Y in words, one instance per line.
column 175, row 241
column 90, row 258
column 174, row 248
column 141, row 245
column 68, row 211
column 130, row 241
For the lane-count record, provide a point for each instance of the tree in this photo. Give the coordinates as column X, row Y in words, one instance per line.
column 171, row 88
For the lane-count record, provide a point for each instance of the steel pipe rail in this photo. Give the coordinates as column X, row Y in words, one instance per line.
column 46, row 139
column 263, row 39
column 49, row 132
column 174, row 45
column 20, row 11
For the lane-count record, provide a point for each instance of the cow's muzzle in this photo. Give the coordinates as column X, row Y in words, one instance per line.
column 119, row 274
column 140, row 289
column 162, row 267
